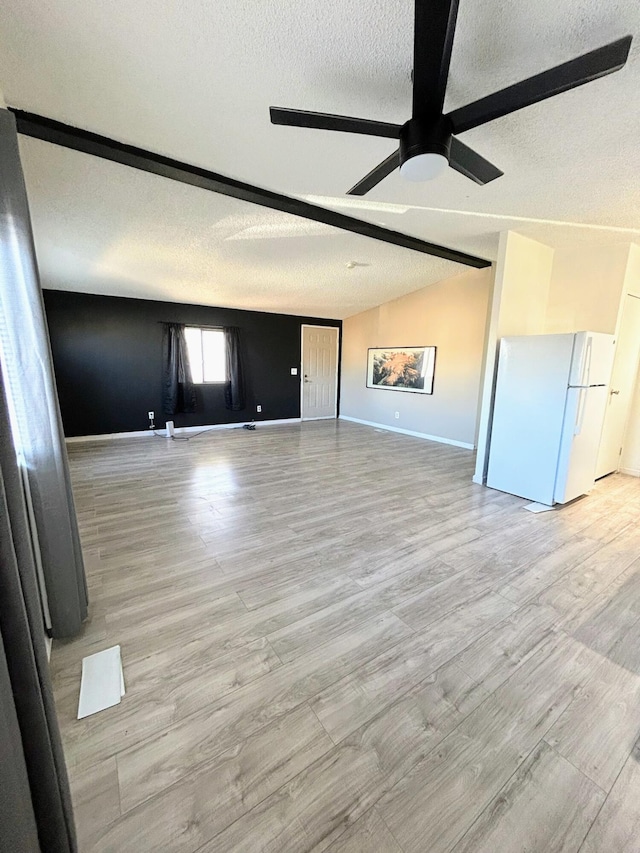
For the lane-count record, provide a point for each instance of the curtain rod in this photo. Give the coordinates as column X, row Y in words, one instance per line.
column 193, row 325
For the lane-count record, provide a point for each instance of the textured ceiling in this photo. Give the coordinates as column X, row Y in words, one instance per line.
column 194, row 80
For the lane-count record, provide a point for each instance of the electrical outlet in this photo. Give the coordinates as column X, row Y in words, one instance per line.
column 151, row 415
column 258, row 408
column 397, row 415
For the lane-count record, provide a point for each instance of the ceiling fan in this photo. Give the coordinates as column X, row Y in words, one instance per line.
column 428, row 141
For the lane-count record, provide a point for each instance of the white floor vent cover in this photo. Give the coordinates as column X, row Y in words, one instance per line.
column 102, row 684
column 536, row 507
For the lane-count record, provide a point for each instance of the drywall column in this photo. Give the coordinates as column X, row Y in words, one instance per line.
column 518, row 307
column 631, row 445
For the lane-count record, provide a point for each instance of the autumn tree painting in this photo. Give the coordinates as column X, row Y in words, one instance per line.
column 402, row 369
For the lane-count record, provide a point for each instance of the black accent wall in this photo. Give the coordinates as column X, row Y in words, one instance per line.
column 107, row 355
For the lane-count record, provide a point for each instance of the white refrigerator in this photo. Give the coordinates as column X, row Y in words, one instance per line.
column 550, row 401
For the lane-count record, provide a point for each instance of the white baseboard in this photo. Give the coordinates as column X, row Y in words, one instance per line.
column 321, row 418
column 635, row 472
column 107, row 436
column 424, row 435
column 146, row 433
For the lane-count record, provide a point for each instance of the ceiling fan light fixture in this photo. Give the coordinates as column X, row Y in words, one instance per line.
column 424, row 148
column 424, row 167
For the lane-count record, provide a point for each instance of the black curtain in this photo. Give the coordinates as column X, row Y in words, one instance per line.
column 234, row 397
column 178, row 393
column 35, row 803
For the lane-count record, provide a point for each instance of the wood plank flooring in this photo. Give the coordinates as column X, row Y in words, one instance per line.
column 333, row 640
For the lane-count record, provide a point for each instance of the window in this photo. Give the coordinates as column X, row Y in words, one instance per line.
column 207, row 354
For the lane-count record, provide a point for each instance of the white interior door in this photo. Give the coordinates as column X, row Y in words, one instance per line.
column 319, row 372
column 620, row 393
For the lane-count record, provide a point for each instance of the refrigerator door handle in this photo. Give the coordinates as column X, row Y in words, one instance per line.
column 582, row 408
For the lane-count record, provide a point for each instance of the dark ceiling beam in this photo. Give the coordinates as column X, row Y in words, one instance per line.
column 57, row 133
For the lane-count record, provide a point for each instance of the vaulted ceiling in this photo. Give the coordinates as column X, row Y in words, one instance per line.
column 194, row 81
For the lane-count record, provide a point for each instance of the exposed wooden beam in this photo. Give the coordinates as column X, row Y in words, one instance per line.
column 57, row 133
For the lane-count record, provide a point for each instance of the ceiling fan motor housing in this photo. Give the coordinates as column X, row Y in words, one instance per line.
column 425, row 136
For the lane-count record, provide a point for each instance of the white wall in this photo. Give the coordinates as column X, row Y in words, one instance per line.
column 631, row 448
column 632, row 276
column 586, row 287
column 536, row 291
column 631, row 445
column 450, row 315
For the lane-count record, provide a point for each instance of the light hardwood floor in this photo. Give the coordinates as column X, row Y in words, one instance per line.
column 333, row 640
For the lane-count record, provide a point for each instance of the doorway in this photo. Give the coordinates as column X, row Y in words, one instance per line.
column 319, row 380
column 623, row 377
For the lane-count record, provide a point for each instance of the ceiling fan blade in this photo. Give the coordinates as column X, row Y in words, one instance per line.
column 435, row 24
column 326, row 121
column 470, row 164
column 376, row 175
column 576, row 72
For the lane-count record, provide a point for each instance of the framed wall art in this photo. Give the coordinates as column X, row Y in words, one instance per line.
column 402, row 369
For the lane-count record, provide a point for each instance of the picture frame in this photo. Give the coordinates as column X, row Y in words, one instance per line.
column 407, row 369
